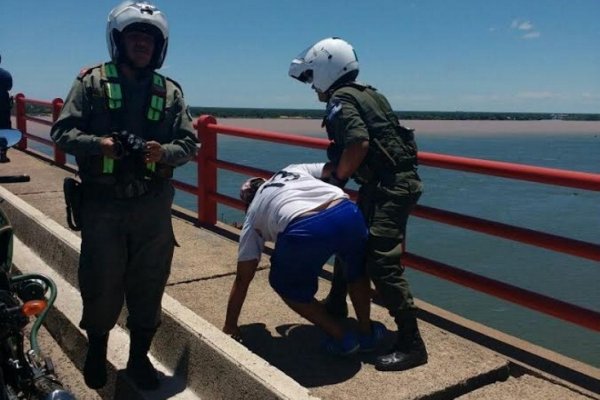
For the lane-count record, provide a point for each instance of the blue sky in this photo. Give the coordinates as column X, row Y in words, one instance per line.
column 469, row 55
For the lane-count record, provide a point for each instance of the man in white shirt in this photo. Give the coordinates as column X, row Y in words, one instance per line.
column 310, row 220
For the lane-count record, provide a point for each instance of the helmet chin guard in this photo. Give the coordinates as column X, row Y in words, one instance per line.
column 138, row 16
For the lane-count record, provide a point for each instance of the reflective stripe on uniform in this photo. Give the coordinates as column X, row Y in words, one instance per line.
column 114, row 102
column 157, row 102
column 112, row 87
column 108, row 165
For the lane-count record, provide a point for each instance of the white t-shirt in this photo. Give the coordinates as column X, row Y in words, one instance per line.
column 289, row 193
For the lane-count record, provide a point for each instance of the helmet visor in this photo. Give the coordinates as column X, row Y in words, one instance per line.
column 301, row 69
column 302, row 56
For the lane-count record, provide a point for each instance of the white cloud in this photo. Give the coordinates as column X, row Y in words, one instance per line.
column 531, row 35
column 522, row 25
column 525, row 26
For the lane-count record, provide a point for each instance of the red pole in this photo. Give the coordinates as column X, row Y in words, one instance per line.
column 559, row 177
column 21, row 120
column 59, row 155
column 548, row 305
column 207, row 170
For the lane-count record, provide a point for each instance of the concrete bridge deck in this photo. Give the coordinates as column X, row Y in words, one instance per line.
column 207, row 364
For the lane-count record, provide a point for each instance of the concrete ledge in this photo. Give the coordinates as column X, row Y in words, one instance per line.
column 209, row 363
column 62, row 323
column 53, row 243
column 212, row 365
column 526, row 356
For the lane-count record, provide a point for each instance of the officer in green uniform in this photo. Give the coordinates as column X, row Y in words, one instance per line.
column 128, row 127
column 370, row 145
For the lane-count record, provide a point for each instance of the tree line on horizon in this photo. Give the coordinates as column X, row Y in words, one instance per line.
column 237, row 112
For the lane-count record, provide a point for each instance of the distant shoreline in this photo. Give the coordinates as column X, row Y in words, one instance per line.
column 310, row 114
column 283, row 113
column 457, row 128
column 311, row 127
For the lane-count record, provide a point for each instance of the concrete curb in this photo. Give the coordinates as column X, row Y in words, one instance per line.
column 210, row 363
column 62, row 323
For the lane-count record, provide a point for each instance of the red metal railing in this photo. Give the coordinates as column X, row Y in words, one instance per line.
column 208, row 198
column 22, row 118
column 208, row 129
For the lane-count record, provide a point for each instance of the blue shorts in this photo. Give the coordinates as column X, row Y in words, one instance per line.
column 306, row 245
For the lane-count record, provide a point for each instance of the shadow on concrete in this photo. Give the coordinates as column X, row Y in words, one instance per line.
column 297, row 354
column 169, row 387
column 523, row 355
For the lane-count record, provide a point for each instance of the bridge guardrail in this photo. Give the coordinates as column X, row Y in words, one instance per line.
column 206, row 192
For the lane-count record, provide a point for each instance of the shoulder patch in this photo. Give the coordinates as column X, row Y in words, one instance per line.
column 86, row 70
column 333, row 108
column 175, row 83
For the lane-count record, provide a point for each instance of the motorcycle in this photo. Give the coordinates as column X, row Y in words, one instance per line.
column 24, row 373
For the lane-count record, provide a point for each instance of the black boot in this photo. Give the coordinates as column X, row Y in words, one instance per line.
column 335, row 302
column 94, row 369
column 409, row 351
column 139, row 367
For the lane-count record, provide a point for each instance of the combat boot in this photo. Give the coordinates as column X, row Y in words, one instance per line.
column 408, row 352
column 94, row 369
column 139, row 367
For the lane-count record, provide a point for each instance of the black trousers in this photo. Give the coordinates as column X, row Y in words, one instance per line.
column 126, row 253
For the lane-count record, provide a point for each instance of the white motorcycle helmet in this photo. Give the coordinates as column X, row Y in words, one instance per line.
column 324, row 63
column 139, row 16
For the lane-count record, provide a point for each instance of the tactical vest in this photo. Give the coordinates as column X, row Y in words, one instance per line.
column 392, row 147
column 110, row 83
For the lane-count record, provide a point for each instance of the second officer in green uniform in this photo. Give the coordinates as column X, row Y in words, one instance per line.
column 370, row 145
column 128, row 127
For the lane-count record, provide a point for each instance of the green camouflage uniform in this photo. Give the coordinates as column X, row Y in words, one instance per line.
column 389, row 183
column 127, row 235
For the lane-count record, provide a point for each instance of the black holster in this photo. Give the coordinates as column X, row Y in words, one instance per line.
column 73, row 199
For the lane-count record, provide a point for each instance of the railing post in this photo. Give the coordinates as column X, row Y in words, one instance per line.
column 59, row 155
column 207, row 171
column 21, row 120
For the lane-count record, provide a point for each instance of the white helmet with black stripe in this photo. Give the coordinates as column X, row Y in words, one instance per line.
column 142, row 17
column 325, row 63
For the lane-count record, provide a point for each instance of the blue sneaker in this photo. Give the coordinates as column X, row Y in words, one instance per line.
column 344, row 347
column 369, row 342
